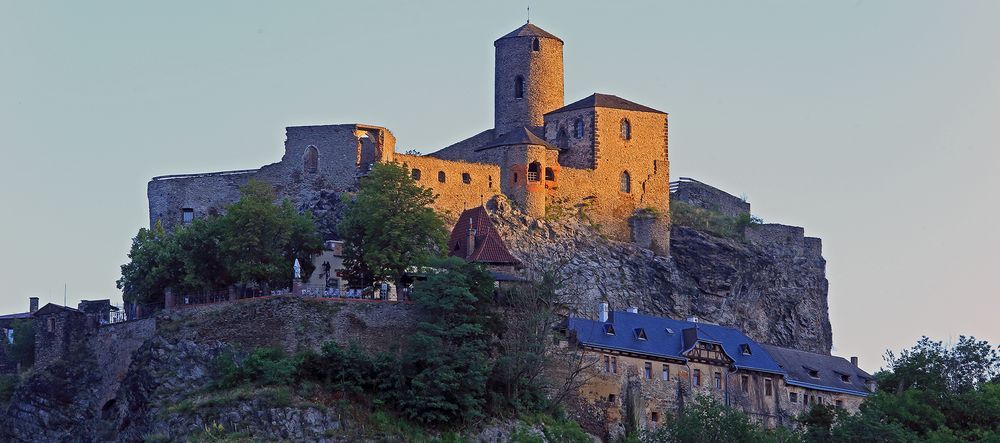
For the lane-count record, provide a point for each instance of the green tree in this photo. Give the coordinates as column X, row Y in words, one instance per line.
column 152, row 268
column 260, row 240
column 706, row 420
column 254, row 243
column 389, row 225
column 448, row 361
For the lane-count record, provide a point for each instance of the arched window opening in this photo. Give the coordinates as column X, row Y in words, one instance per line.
column 415, row 174
column 626, row 129
column 310, row 161
column 550, row 175
column 441, row 176
column 562, row 139
column 490, row 181
column 536, row 45
column 519, row 87
column 533, row 170
column 515, row 177
column 626, row 184
column 466, row 178
column 578, row 128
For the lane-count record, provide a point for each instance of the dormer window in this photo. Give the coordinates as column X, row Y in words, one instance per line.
column 668, row 331
column 745, row 349
column 536, row 45
column 844, row 377
column 813, row 372
column 609, row 329
column 640, row 334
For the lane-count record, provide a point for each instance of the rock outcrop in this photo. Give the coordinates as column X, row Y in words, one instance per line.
column 774, row 289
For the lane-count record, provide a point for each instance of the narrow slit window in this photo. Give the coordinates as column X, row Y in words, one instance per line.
column 519, row 87
column 441, row 176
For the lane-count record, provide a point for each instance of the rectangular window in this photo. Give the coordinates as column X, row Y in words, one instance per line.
column 607, row 363
column 187, row 215
column 655, row 416
column 768, row 390
column 666, row 373
column 718, row 380
column 51, row 324
column 648, row 370
column 697, row 377
column 745, row 384
column 840, row 404
column 793, row 397
column 614, row 365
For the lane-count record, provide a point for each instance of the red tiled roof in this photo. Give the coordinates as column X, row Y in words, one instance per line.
column 489, row 247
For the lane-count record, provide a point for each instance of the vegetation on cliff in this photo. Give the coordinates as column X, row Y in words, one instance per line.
column 254, row 243
column 686, row 214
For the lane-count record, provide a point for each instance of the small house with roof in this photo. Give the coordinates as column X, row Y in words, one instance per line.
column 476, row 240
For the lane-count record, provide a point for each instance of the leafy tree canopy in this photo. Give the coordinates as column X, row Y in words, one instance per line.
column 254, row 243
column 389, row 225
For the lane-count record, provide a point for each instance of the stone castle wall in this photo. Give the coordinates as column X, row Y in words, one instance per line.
column 454, row 193
column 576, row 152
column 707, row 197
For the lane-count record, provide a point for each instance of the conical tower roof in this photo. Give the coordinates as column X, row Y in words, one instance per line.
column 530, row 30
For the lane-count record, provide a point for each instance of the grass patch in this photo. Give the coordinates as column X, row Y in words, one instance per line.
column 713, row 222
column 271, row 396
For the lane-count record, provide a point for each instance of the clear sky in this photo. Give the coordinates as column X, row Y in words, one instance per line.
column 873, row 124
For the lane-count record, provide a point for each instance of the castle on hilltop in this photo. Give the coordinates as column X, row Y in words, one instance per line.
column 602, row 156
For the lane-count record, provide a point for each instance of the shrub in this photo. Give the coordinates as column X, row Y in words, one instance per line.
column 686, row 214
column 263, row 367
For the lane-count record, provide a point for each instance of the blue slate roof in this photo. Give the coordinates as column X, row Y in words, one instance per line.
column 666, row 338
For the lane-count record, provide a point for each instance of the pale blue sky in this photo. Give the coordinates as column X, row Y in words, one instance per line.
column 870, row 123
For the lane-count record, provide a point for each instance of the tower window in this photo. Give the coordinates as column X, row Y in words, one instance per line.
column 441, row 177
column 626, row 183
column 310, row 161
column 519, row 87
column 533, row 170
column 550, row 176
column 536, row 45
column 490, row 181
column 466, row 178
column 187, row 215
column 415, row 174
column 578, row 128
column 626, row 129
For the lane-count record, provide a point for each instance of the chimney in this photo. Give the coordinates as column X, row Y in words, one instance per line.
column 32, row 304
column 692, row 319
column 470, row 244
column 633, row 310
column 602, row 311
column 854, row 361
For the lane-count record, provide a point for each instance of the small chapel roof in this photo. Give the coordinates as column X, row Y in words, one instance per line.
column 530, row 30
column 605, row 101
column 488, row 246
column 518, row 136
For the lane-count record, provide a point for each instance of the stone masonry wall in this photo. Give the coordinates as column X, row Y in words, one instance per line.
column 707, row 197
column 579, row 151
column 454, row 194
column 113, row 345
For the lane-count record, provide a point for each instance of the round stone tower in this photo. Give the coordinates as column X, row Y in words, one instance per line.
column 529, row 78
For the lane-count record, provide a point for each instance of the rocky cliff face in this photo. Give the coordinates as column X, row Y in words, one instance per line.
column 774, row 289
